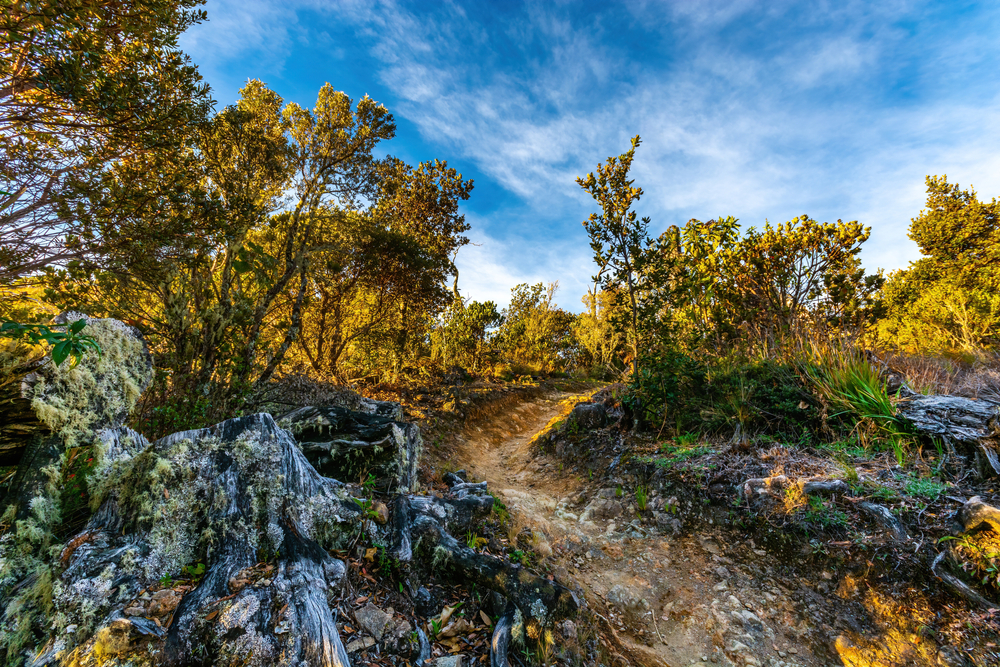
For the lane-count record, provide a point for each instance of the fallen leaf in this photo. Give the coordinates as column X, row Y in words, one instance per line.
column 447, row 612
column 459, row 626
column 486, row 619
column 212, row 615
column 370, row 554
column 166, row 494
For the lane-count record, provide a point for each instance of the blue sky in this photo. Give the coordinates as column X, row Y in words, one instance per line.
column 761, row 110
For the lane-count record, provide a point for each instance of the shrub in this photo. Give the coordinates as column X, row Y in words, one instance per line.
column 853, row 386
column 762, row 397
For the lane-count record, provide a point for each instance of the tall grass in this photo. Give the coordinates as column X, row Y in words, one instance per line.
column 852, row 385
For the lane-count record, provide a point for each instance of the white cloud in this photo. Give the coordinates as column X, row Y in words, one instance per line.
column 758, row 112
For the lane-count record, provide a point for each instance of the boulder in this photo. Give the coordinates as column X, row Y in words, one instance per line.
column 589, row 415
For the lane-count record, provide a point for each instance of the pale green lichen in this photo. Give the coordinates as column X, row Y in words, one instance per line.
column 102, row 388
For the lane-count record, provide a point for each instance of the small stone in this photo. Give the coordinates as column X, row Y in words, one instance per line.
column 135, row 611
column 782, row 654
column 793, row 650
column 360, row 644
column 381, row 512
column 70, row 629
column 449, row 661
column 372, row 620
column 722, row 572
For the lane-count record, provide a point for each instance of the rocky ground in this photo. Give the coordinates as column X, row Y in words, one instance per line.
column 667, row 597
column 646, row 551
column 700, row 567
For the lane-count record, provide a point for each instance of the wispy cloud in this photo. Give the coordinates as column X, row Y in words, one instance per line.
column 837, row 110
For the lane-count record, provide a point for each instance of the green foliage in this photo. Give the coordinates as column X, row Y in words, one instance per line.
column 641, row 497
column 946, row 302
column 69, row 343
column 464, row 335
column 925, row 487
column 619, row 239
column 534, row 333
column 853, row 386
column 194, row 572
column 764, row 397
column 825, row 513
column 669, row 388
column 89, row 88
column 474, row 541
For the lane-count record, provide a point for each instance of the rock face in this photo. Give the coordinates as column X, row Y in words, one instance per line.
column 212, row 546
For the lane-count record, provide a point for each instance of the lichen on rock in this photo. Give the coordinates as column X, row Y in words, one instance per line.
column 101, row 390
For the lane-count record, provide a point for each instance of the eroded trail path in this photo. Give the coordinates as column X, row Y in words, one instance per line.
column 671, row 599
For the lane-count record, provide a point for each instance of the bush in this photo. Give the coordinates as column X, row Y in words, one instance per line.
column 765, row 397
column 668, row 390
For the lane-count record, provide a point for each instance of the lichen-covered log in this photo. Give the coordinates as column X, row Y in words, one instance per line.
column 231, row 496
column 344, row 444
column 961, row 421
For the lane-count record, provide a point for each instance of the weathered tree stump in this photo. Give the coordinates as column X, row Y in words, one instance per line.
column 345, row 444
column 241, row 510
column 968, row 423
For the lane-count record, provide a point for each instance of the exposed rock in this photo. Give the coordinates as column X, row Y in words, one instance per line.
column 627, row 602
column 372, row 620
column 602, row 508
column 449, row 661
column 975, row 513
column 360, row 644
column 588, row 415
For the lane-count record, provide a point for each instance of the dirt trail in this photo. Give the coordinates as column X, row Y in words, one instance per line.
column 672, row 600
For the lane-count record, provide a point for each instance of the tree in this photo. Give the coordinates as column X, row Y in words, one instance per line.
column 86, row 87
column 618, row 237
column 959, row 236
column 463, row 336
column 535, row 333
column 947, row 301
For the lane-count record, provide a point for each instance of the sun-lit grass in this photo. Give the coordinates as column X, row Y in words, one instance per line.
column 852, row 385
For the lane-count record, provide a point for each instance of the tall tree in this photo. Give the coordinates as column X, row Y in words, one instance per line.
column 947, row 301
column 618, row 237
column 85, row 86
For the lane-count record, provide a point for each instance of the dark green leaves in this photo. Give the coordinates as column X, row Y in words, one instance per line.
column 65, row 344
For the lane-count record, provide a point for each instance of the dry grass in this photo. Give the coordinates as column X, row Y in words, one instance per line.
column 941, row 375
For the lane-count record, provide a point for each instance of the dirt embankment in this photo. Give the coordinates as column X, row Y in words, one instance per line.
column 677, row 570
